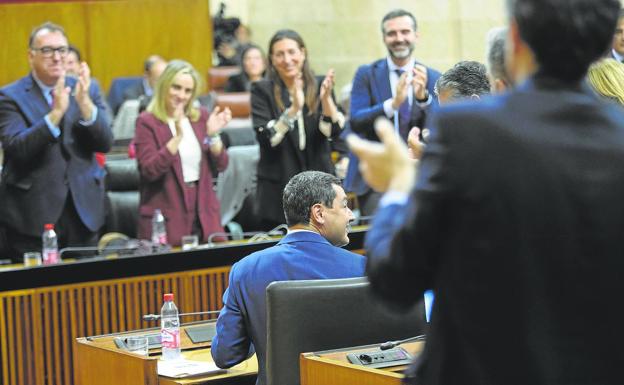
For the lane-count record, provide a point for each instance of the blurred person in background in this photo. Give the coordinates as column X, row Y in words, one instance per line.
column 253, row 68
column 176, row 143
column 295, row 117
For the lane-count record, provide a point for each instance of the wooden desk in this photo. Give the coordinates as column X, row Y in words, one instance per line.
column 333, row 368
column 44, row 309
column 100, row 362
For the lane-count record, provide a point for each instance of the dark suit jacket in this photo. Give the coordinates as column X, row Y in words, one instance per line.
column 516, row 221
column 40, row 170
column 162, row 182
column 242, row 321
column 371, row 88
column 278, row 164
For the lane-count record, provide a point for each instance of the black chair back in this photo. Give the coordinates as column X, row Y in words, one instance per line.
column 307, row 316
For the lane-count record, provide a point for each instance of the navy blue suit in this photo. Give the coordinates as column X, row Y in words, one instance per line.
column 516, row 222
column 371, row 88
column 301, row 255
column 41, row 170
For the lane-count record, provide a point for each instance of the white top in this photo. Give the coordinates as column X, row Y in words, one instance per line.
column 189, row 150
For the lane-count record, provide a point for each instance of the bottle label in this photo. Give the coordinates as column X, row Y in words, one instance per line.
column 50, row 257
column 170, row 338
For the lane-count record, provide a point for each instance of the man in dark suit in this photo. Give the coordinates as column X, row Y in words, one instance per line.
column 617, row 50
column 515, row 218
column 397, row 87
column 318, row 217
column 153, row 67
column 50, row 127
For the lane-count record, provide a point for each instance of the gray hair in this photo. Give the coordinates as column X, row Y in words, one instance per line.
column 303, row 191
column 496, row 54
column 465, row 79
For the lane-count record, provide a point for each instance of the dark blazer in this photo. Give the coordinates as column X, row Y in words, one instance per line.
column 162, row 182
column 278, row 164
column 371, row 87
column 40, row 170
column 516, row 222
column 241, row 326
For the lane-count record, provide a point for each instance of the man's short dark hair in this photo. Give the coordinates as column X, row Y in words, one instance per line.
column 303, row 191
column 398, row 13
column 49, row 26
column 465, row 79
column 566, row 36
column 74, row 49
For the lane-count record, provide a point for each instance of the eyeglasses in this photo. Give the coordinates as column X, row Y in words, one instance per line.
column 49, row 51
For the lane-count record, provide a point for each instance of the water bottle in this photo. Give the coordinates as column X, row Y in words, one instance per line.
column 170, row 329
column 159, row 231
column 50, row 245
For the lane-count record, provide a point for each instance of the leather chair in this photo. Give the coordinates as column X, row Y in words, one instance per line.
column 238, row 102
column 218, row 76
column 306, row 316
column 122, row 196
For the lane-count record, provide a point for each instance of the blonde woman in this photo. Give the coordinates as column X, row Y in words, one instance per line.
column 606, row 77
column 176, row 142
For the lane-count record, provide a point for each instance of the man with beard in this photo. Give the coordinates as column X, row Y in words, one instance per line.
column 397, row 87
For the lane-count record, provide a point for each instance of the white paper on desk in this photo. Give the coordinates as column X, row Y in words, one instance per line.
column 186, row 368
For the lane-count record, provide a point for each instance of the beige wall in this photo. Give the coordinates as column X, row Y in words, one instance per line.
column 344, row 34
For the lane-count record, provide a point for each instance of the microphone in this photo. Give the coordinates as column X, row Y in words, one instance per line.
column 393, row 344
column 156, row 317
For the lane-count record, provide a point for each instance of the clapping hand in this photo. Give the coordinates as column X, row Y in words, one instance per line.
column 385, row 165
column 402, row 88
column 60, row 100
column 297, row 95
column 217, row 120
column 328, row 85
column 419, row 82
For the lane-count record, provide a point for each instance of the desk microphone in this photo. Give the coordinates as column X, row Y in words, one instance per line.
column 156, row 317
column 393, row 344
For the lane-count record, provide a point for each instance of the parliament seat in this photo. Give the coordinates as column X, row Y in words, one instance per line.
column 218, row 76
column 307, row 316
column 122, row 196
column 118, row 87
column 238, row 102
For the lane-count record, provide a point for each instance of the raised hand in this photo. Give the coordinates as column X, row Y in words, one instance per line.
column 414, row 145
column 60, row 101
column 419, row 82
column 217, row 120
column 81, row 92
column 297, row 95
column 400, row 94
column 384, row 165
column 328, row 85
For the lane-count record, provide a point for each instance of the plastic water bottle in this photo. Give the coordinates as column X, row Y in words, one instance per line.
column 170, row 329
column 50, row 245
column 159, row 231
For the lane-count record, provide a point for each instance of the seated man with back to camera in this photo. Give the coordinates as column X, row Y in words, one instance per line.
column 315, row 206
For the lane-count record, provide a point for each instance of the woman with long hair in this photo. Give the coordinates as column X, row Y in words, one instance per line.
column 253, row 67
column 295, row 118
column 177, row 145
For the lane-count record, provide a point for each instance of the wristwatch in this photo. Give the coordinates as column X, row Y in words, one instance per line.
column 425, row 99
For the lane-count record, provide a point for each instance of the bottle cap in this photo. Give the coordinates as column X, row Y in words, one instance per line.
column 48, row 226
column 168, row 297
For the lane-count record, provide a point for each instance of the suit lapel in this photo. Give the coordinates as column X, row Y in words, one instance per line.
column 164, row 135
column 382, row 79
column 33, row 98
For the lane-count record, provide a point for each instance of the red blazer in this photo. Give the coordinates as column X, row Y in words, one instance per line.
column 162, row 183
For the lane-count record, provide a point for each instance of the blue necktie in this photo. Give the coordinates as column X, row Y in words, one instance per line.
column 404, row 114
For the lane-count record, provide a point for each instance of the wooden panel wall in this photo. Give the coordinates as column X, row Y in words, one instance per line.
column 114, row 36
column 38, row 327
